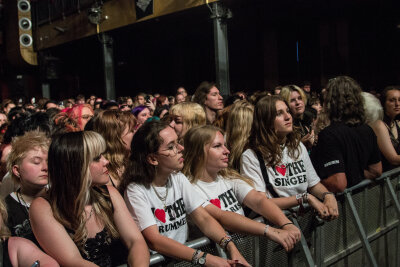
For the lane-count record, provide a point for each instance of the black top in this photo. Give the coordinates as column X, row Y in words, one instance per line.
column 386, row 166
column 105, row 251
column 18, row 219
column 102, row 249
column 345, row 149
column 6, row 256
column 304, row 125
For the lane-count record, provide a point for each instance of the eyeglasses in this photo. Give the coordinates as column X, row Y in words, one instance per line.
column 173, row 149
column 87, row 117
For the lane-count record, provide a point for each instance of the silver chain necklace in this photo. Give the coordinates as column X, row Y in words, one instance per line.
column 162, row 198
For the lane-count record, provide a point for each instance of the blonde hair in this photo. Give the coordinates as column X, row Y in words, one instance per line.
column 4, row 231
column 70, row 156
column 288, row 89
column 238, row 129
column 373, row 108
column 21, row 145
column 192, row 114
column 195, row 154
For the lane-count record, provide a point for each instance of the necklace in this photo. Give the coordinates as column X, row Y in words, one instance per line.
column 22, row 201
column 162, row 198
column 90, row 213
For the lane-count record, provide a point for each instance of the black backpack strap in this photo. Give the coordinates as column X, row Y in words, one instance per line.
column 265, row 174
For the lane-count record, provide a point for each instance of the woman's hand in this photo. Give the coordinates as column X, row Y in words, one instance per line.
column 283, row 237
column 293, row 230
column 319, row 207
column 150, row 106
column 332, row 206
column 235, row 255
column 308, row 139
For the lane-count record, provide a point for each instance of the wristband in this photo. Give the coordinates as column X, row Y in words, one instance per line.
column 299, row 198
column 224, row 241
column 283, row 225
column 266, row 230
column 324, row 195
column 195, row 257
column 305, row 197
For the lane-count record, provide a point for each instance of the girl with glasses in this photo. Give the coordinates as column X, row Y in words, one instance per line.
column 160, row 199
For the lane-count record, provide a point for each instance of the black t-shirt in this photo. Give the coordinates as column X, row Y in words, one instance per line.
column 345, row 149
column 18, row 219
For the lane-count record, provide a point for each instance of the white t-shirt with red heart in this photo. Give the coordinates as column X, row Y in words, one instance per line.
column 291, row 177
column 147, row 209
column 226, row 194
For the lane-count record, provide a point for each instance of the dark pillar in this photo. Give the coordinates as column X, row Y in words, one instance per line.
column 220, row 15
column 108, row 59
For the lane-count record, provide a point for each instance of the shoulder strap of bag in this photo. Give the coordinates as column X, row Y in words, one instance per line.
column 265, row 174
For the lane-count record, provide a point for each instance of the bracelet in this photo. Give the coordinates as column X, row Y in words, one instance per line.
column 305, row 197
column 224, row 241
column 299, row 198
column 195, row 257
column 283, row 225
column 266, row 230
column 324, row 195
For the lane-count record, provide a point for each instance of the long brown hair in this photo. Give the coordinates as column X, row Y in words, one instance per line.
column 195, row 154
column 146, row 141
column 111, row 124
column 70, row 190
column 263, row 136
column 343, row 101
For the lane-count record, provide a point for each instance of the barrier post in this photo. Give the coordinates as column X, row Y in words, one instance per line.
column 319, row 244
column 305, row 249
column 397, row 204
column 360, row 229
column 393, row 195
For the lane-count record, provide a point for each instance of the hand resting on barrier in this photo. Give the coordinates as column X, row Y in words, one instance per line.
column 332, row 206
column 283, row 237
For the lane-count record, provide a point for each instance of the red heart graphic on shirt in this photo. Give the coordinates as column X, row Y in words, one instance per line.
column 216, row 202
column 281, row 169
column 160, row 214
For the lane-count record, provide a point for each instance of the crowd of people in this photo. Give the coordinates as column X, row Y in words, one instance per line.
column 102, row 183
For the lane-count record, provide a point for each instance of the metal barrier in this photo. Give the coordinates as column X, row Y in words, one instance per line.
column 366, row 233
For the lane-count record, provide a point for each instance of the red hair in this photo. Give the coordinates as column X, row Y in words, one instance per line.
column 71, row 118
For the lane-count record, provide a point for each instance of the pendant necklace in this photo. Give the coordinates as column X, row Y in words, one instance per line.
column 164, row 198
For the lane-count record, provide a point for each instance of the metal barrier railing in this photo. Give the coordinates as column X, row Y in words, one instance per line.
column 367, row 232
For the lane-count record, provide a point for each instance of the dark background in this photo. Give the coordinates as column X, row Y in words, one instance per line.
column 357, row 38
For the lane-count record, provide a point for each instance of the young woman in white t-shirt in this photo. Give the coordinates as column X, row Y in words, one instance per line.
column 289, row 171
column 206, row 165
column 160, row 199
